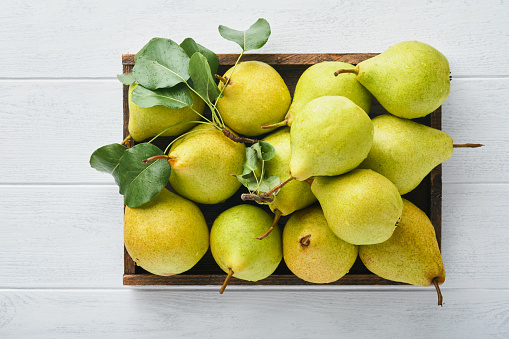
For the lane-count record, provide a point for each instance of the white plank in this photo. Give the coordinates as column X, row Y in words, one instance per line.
column 52, row 127
column 71, row 39
column 71, row 236
column 194, row 314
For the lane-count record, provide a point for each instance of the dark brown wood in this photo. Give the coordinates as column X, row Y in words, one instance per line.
column 427, row 196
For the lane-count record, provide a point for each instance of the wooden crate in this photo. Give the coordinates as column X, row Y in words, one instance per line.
column 427, row 196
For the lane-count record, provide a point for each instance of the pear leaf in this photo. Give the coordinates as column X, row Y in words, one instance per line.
column 161, row 63
column 248, row 180
column 251, row 163
column 175, row 97
column 126, row 78
column 107, row 158
column 191, row 47
column 141, row 182
column 268, row 183
column 267, row 150
column 203, row 82
column 253, row 38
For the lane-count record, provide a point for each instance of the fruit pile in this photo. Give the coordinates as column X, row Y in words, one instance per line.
column 322, row 157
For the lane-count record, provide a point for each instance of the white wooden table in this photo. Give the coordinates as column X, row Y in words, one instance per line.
column 61, row 245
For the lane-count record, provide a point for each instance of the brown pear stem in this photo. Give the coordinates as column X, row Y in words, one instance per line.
column 349, row 70
column 236, row 138
column 278, row 124
column 255, row 197
column 309, row 180
column 223, row 79
column 304, row 242
column 467, row 145
column 440, row 298
column 127, row 138
column 277, row 215
column 230, row 273
column 157, row 157
column 269, row 193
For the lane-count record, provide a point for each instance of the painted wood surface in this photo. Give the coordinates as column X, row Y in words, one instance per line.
column 61, row 222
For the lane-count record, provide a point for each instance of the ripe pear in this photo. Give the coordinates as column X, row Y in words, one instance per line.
column 296, row 194
column 235, row 248
column 330, row 136
column 255, row 96
column 167, row 235
column 361, row 207
column 410, row 79
column 312, row 252
column 202, row 164
column 411, row 255
column 405, row 152
column 148, row 122
column 319, row 80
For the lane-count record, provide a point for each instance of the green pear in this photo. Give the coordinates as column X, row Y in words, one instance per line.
column 296, row 194
column 148, row 122
column 255, row 96
column 361, row 207
column 410, row 79
column 202, row 164
column 312, row 252
column 319, row 80
column 167, row 235
column 235, row 248
column 330, row 136
column 405, row 152
column 411, row 255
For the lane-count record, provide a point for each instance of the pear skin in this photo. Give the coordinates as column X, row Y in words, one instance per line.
column 312, row 252
column 319, row 80
column 202, row 164
column 361, row 207
column 296, row 194
column 405, row 152
column 148, row 122
column 411, row 255
column 167, row 235
column 410, row 79
column 234, row 245
column 330, row 136
column 255, row 96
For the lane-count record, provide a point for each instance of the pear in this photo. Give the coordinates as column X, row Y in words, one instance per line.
column 361, row 207
column 235, row 248
column 167, row 235
column 405, row 152
column 319, row 80
column 312, row 252
column 410, row 79
column 296, row 194
column 202, row 164
column 330, row 136
column 256, row 95
column 148, row 122
column 411, row 255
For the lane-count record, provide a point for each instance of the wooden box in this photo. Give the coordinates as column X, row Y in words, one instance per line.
column 427, row 196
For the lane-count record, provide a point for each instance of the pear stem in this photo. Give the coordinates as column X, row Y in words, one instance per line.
column 230, row 273
column 255, row 197
column 269, row 193
column 304, row 242
column 467, row 145
column 309, row 180
column 440, row 298
column 157, row 157
column 349, row 70
column 278, row 124
column 235, row 138
column 277, row 215
column 127, row 138
column 223, row 79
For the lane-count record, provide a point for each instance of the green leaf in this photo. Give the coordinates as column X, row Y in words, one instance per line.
column 126, row 78
column 251, row 163
column 175, row 97
column 141, row 182
column 191, row 47
column 107, row 158
column 203, row 82
column 253, row 38
column 268, row 183
column 249, row 181
column 161, row 63
column 267, row 150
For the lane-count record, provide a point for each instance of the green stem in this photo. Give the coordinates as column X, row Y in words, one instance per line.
column 180, row 136
column 180, row 123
